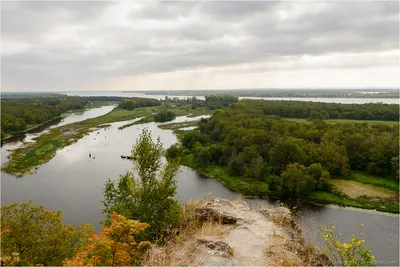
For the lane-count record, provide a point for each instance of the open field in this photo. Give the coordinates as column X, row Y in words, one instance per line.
column 372, row 180
column 345, row 121
column 355, row 189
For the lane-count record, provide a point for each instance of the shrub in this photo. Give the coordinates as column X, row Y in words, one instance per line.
column 114, row 245
column 149, row 200
column 346, row 254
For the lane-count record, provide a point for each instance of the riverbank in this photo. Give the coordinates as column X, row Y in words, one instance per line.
column 255, row 188
column 31, row 128
column 179, row 111
column 31, row 155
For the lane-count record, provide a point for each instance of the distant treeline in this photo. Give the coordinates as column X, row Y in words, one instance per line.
column 135, row 102
column 292, row 158
column 19, row 113
column 318, row 110
column 341, row 93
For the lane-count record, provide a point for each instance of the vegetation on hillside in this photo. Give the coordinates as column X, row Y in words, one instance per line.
column 31, row 235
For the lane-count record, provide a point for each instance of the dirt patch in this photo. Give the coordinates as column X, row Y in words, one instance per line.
column 355, row 189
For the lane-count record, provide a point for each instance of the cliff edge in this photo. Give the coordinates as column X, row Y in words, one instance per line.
column 233, row 234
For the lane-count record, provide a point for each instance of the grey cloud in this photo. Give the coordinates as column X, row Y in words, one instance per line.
column 212, row 34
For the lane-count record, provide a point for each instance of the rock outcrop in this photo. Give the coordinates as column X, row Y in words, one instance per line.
column 246, row 237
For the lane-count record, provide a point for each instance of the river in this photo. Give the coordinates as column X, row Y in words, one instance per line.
column 344, row 100
column 73, row 182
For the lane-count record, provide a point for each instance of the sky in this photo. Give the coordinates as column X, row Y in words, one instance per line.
column 167, row 45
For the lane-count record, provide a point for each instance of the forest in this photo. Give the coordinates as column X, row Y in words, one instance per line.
column 18, row 114
column 319, row 110
column 292, row 158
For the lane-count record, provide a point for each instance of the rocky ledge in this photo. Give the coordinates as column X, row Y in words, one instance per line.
column 267, row 237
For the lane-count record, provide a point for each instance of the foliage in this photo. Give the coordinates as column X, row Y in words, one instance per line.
column 115, row 245
column 164, row 115
column 219, row 101
column 150, row 199
column 31, row 235
column 293, row 159
column 319, row 110
column 18, row 113
column 346, row 254
column 136, row 102
column 173, row 152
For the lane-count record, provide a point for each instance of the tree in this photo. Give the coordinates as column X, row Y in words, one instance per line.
column 115, row 245
column 149, row 199
column 296, row 181
column 31, row 235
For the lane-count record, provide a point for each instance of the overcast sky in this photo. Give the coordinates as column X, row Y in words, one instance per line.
column 58, row 46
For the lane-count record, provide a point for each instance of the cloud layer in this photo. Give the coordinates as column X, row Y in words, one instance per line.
column 198, row 45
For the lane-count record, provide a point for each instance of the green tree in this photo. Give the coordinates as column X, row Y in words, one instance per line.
column 296, row 181
column 149, row 199
column 31, row 235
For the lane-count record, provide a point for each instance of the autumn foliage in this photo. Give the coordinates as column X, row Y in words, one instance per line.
column 32, row 235
column 115, row 245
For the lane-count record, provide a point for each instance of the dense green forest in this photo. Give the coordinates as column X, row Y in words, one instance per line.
column 292, row 158
column 318, row 110
column 17, row 114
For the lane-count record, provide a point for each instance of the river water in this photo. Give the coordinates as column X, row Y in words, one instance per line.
column 348, row 100
column 73, row 182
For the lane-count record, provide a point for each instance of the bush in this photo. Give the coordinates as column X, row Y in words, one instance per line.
column 346, row 254
column 115, row 245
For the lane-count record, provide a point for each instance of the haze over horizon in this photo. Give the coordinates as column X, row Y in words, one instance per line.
column 193, row 45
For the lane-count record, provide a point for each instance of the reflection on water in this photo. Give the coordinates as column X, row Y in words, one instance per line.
column 72, row 182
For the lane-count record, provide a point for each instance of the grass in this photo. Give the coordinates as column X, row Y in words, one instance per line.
column 355, row 189
column 179, row 111
column 324, row 197
column 117, row 115
column 178, row 125
column 31, row 155
column 181, row 248
column 303, row 120
column 24, row 159
column 365, row 178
